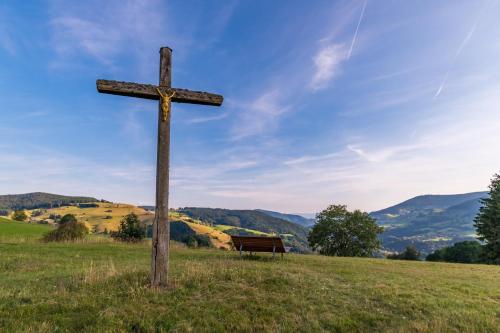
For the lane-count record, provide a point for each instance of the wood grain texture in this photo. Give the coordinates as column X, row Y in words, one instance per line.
column 148, row 91
column 161, row 226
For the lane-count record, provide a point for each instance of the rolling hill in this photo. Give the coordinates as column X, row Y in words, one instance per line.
column 429, row 221
column 295, row 236
column 39, row 200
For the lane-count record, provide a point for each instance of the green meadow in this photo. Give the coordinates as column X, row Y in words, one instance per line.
column 102, row 286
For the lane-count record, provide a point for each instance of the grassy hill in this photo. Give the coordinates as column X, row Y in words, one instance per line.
column 103, row 287
column 39, row 200
column 429, row 221
column 103, row 215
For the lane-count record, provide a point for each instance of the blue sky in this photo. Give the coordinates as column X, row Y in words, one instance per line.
column 364, row 103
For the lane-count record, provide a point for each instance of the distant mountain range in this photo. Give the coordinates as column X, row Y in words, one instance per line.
column 429, row 221
column 297, row 219
column 39, row 200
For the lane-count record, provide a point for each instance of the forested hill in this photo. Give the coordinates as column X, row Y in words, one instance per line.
column 39, row 200
column 250, row 219
column 297, row 219
column 429, row 221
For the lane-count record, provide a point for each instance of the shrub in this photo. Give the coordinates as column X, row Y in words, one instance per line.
column 69, row 231
column 130, row 229
column 54, row 217
column 19, row 215
column 68, row 218
column 410, row 253
column 36, row 213
column 4, row 212
column 194, row 241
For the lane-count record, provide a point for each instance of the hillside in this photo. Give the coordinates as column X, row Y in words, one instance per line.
column 39, row 200
column 429, row 221
column 100, row 215
column 295, row 236
column 103, row 287
column 297, row 219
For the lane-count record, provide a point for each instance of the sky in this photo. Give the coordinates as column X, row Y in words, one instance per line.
column 364, row 103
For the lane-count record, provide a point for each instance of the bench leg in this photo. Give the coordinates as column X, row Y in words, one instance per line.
column 274, row 250
column 241, row 248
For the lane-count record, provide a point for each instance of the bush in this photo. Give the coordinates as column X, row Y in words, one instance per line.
column 68, row 218
column 194, row 241
column 54, row 217
column 69, row 231
column 130, row 229
column 4, row 212
column 467, row 252
column 410, row 253
column 36, row 213
column 19, row 215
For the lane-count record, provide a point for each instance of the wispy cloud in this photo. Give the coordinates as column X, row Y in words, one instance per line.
column 259, row 116
column 6, row 39
column 357, row 29
column 327, row 63
column 199, row 120
column 461, row 47
column 119, row 26
column 64, row 173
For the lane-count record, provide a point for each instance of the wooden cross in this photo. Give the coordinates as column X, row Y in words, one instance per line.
column 165, row 94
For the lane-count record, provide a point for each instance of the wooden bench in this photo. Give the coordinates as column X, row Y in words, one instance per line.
column 258, row 244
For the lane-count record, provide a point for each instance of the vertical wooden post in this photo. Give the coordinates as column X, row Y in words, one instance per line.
column 161, row 226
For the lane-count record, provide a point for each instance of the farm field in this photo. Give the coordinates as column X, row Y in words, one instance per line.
column 102, row 286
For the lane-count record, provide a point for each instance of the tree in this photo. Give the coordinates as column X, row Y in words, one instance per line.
column 19, row 215
column 338, row 232
column 487, row 222
column 69, row 231
column 410, row 253
column 466, row 252
column 130, row 229
column 68, row 218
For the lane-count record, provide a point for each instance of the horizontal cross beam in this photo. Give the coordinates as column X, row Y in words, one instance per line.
column 148, row 91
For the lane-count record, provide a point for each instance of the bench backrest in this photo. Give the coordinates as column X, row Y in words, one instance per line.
column 258, row 244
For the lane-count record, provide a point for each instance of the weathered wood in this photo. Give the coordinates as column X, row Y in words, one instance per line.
column 161, row 226
column 148, row 91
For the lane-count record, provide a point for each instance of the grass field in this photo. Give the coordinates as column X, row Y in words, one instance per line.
column 103, row 287
column 12, row 230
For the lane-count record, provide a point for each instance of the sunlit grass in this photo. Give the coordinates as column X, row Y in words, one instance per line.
column 102, row 286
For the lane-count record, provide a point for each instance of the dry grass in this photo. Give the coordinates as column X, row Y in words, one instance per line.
column 97, row 215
